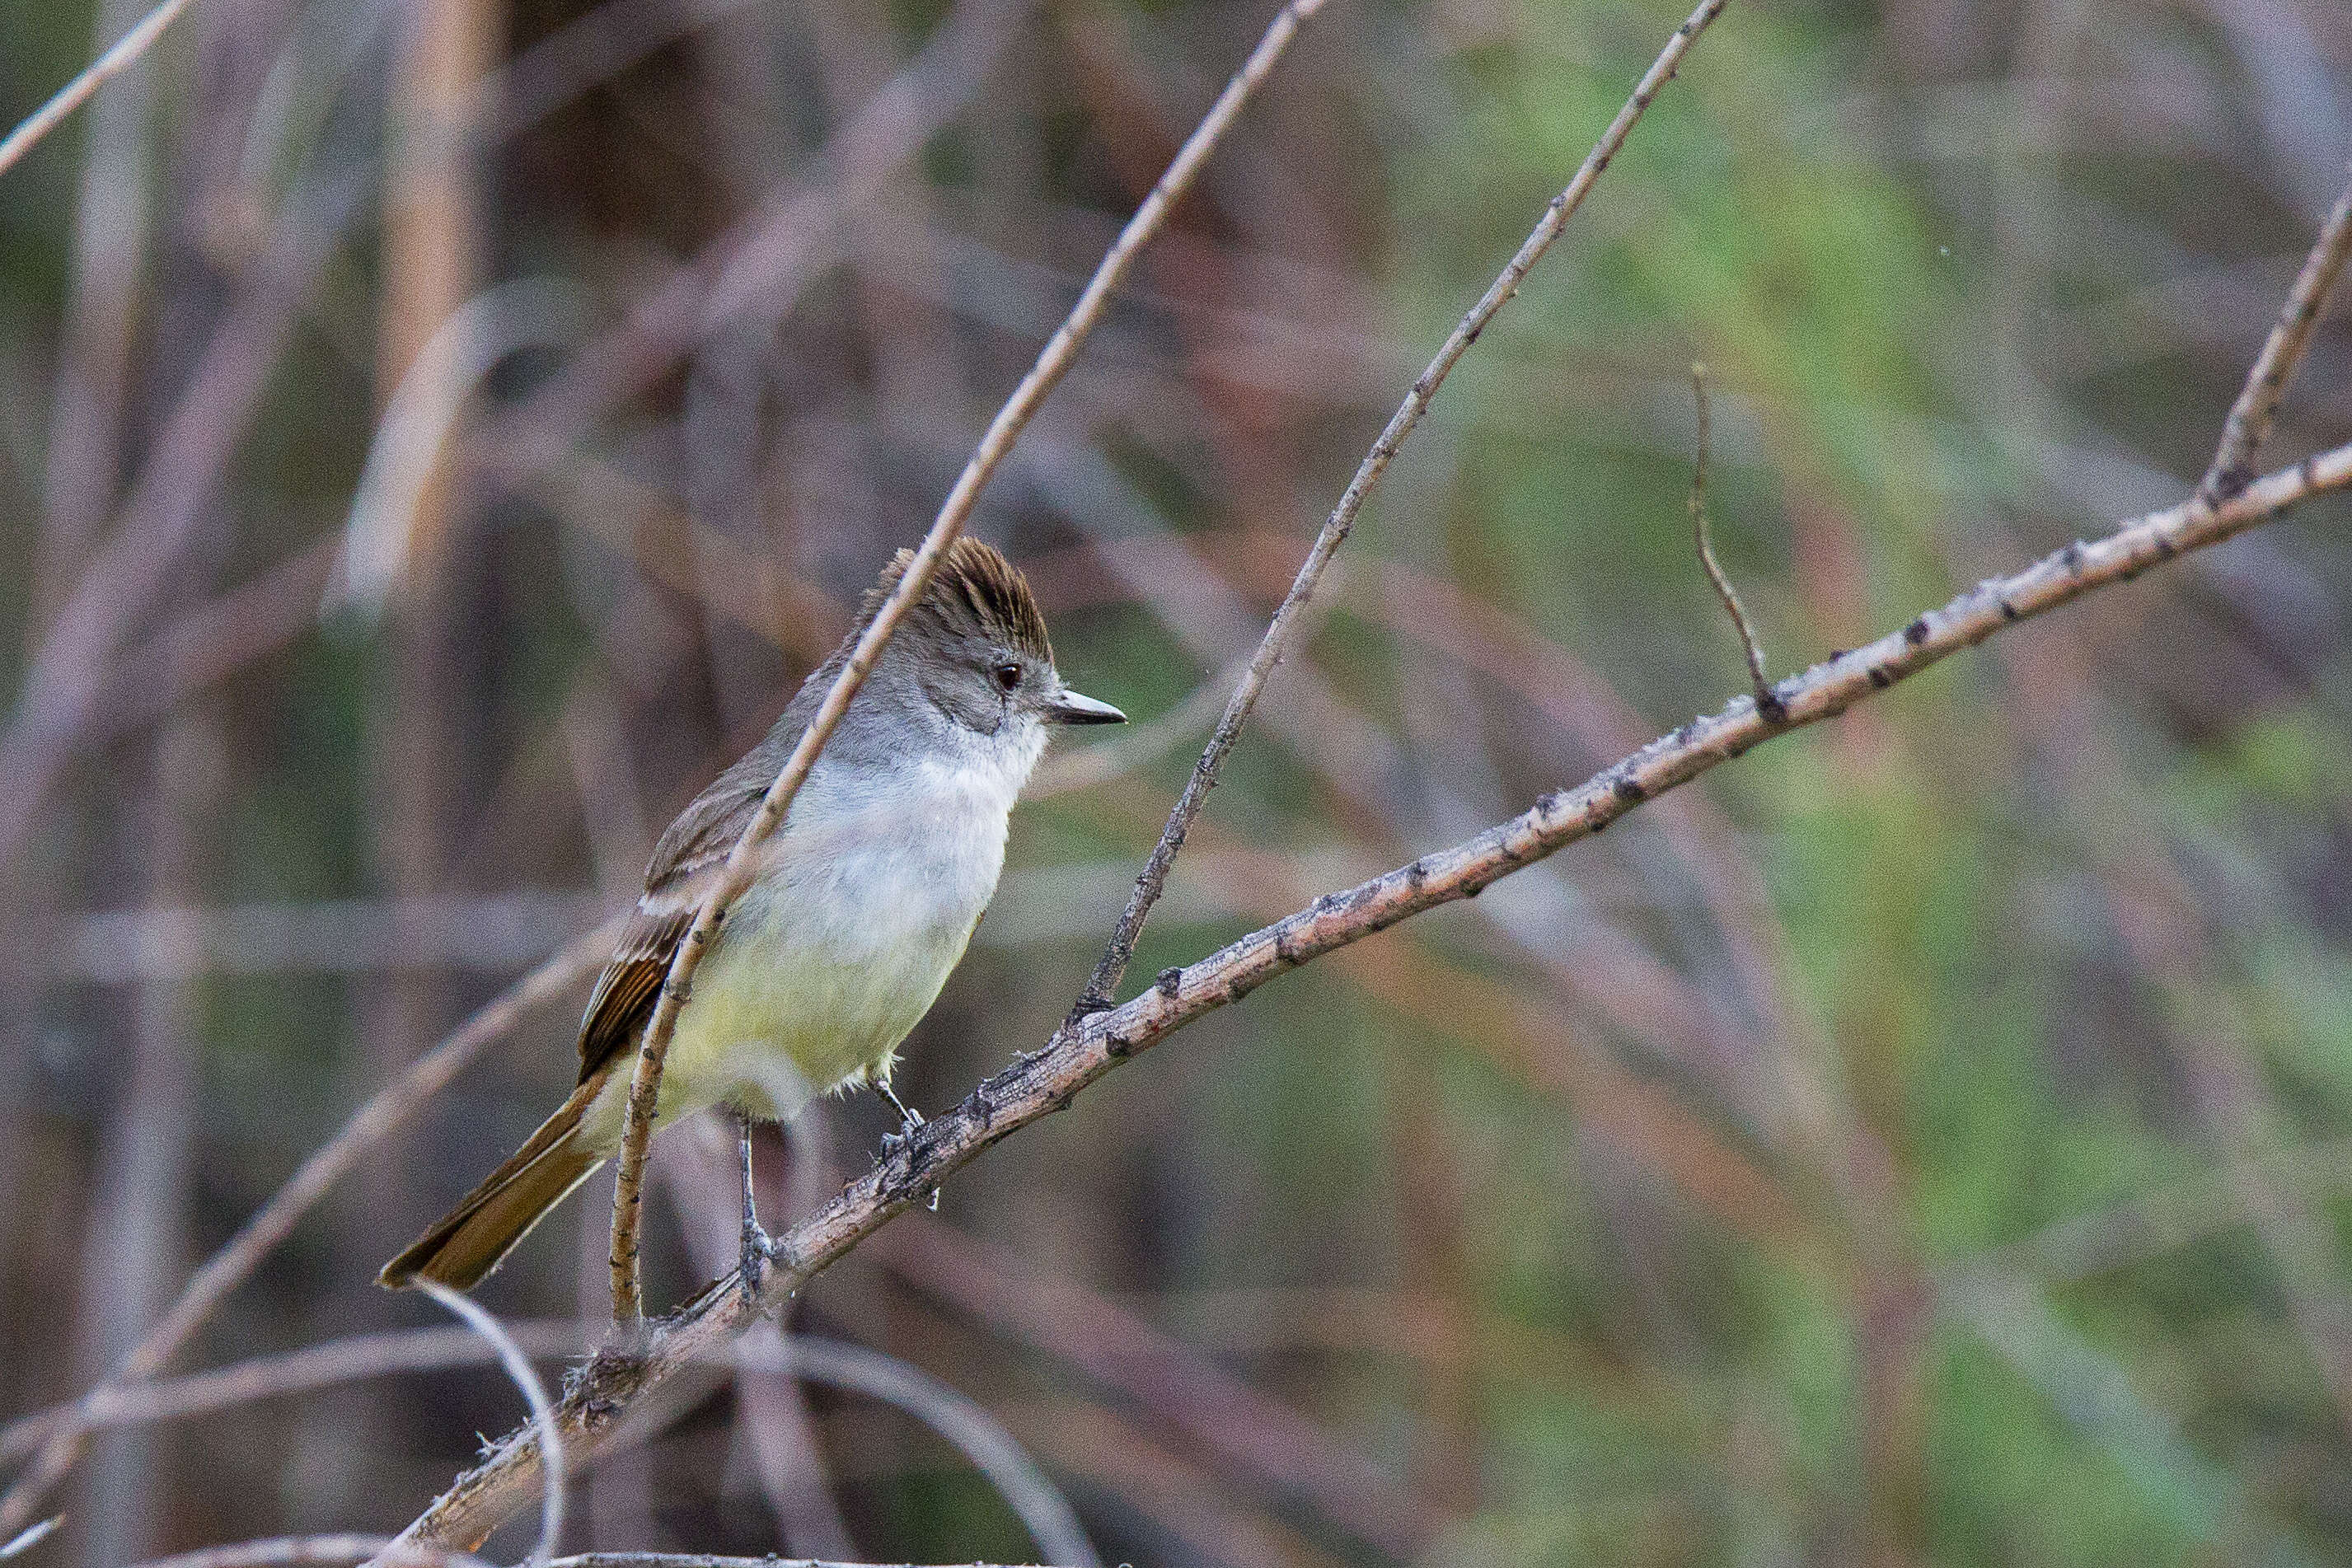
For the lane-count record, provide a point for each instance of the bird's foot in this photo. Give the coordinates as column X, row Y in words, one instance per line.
column 758, row 1249
column 893, row 1142
column 757, row 1245
column 909, row 1119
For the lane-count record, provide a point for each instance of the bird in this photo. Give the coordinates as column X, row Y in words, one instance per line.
column 859, row 906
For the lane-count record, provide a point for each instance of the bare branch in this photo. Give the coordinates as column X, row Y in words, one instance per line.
column 1081, row 1052
column 387, row 1110
column 1053, row 363
column 2250, row 419
column 1765, row 703
column 1334, row 532
column 83, row 88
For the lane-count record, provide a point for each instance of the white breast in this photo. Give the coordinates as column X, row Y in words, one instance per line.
column 841, row 946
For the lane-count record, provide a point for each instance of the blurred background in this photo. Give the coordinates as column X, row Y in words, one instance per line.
column 436, row 436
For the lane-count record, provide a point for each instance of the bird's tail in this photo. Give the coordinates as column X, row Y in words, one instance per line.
column 468, row 1241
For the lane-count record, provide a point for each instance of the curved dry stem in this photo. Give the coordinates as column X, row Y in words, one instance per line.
column 1053, row 363
column 518, row 1370
column 1153, row 879
column 1041, row 1509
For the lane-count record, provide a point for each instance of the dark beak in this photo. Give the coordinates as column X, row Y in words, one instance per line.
column 1070, row 707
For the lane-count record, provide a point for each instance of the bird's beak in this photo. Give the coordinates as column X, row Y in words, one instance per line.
column 1071, row 708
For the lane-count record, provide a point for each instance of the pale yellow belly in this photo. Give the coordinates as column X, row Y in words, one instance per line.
column 780, row 1012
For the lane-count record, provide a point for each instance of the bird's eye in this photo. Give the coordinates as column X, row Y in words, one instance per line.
column 1008, row 675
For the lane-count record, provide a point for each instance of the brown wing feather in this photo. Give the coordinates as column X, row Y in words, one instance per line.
column 625, row 992
column 696, row 844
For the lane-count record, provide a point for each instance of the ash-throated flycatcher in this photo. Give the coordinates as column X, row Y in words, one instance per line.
column 861, row 906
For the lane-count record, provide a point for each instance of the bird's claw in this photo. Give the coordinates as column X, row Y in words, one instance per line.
column 894, row 1142
column 758, row 1249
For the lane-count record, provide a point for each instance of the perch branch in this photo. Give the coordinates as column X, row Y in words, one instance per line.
column 1765, row 703
column 1153, row 879
column 1079, row 1053
column 1053, row 363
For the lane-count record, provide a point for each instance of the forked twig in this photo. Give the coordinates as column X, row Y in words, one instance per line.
column 1765, row 703
column 1053, row 363
column 2249, row 424
column 1153, row 879
column 83, row 88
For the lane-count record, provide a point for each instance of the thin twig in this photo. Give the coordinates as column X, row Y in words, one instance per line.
column 1765, row 703
column 2250, row 417
column 25, row 1540
column 352, row 1359
column 1153, row 878
column 1053, row 363
column 83, row 88
column 704, row 1560
column 386, row 1110
column 321, row 1549
column 1039, row 1084
column 542, row 1410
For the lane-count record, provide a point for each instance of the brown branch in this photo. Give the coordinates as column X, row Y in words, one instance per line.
column 125, row 54
column 1053, row 363
column 1148, row 885
column 2249, row 418
column 1079, row 1053
column 389, row 1107
column 1750, row 648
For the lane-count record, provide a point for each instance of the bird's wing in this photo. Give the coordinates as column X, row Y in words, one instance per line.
column 687, row 857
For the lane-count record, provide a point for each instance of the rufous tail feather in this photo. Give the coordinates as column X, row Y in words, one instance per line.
column 468, row 1241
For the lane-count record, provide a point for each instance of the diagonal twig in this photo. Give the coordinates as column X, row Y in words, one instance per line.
column 1053, row 363
column 83, row 88
column 1153, row 879
column 2249, row 424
